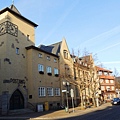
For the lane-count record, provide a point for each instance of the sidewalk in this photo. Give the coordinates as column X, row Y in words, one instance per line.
column 54, row 115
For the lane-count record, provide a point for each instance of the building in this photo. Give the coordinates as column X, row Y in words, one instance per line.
column 87, row 81
column 107, row 83
column 117, row 86
column 65, row 68
column 28, row 74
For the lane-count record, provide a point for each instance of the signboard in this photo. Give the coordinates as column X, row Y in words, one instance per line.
column 64, row 90
column 40, row 108
column 72, row 93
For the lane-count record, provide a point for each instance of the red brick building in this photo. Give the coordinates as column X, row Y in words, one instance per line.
column 107, row 83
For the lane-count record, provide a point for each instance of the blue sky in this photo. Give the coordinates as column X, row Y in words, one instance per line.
column 93, row 25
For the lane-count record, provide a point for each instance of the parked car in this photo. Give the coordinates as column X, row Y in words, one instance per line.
column 115, row 101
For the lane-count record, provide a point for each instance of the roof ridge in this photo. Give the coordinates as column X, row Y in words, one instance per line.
column 13, row 8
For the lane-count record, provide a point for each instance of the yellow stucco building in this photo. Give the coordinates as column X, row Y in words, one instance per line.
column 28, row 75
column 33, row 77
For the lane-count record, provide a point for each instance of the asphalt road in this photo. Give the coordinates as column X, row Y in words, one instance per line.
column 110, row 113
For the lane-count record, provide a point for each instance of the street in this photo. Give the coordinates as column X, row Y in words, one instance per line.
column 110, row 113
column 103, row 112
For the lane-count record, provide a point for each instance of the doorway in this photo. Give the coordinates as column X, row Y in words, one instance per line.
column 16, row 100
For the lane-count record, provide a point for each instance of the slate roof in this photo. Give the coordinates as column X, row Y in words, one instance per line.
column 53, row 48
column 38, row 49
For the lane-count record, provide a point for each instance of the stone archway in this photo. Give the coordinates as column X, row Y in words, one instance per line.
column 16, row 100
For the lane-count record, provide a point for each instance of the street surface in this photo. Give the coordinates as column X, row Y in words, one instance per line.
column 104, row 112
column 110, row 113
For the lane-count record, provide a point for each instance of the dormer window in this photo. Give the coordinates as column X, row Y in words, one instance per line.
column 65, row 52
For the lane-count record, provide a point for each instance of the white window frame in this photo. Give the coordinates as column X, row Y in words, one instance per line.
column 49, row 91
column 42, row 91
column 56, row 71
column 102, row 88
column 108, row 88
column 55, row 60
column 40, row 55
column 112, row 88
column 49, row 69
column 111, row 81
column 107, row 81
column 57, row 91
column 40, row 67
column 100, row 72
column 48, row 58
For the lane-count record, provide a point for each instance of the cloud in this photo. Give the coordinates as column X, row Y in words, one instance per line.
column 101, row 37
column 108, row 47
column 61, row 20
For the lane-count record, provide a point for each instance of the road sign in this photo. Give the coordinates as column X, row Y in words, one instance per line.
column 72, row 93
column 64, row 90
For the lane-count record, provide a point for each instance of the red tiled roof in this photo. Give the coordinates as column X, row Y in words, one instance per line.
column 103, row 69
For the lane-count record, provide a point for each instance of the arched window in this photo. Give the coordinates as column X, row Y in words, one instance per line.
column 65, row 52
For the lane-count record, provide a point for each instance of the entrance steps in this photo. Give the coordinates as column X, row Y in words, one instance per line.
column 20, row 111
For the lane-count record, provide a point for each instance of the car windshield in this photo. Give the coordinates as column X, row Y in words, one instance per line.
column 115, row 99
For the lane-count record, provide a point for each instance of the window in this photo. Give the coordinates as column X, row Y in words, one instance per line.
column 49, row 69
column 107, row 81
column 55, row 71
column 113, row 88
column 105, row 73
column 42, row 91
column 100, row 73
column 57, row 91
column 17, row 51
column 48, row 57
column 102, row 88
column 65, row 54
column 28, row 37
column 40, row 55
column 55, row 60
column 50, row 91
column 111, row 81
column 30, row 96
column 40, row 67
column 108, row 88
column 101, row 80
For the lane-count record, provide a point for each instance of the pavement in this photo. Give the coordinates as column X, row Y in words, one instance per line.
column 54, row 115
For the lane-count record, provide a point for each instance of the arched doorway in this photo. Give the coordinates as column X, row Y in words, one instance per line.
column 16, row 100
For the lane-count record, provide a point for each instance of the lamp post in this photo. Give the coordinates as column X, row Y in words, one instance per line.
column 66, row 84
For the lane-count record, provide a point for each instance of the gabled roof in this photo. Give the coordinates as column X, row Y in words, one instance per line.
column 53, row 48
column 12, row 7
column 13, row 10
column 103, row 69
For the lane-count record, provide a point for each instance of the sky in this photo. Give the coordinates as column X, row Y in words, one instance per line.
column 87, row 25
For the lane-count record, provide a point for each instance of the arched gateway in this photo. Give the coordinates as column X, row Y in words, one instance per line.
column 16, row 100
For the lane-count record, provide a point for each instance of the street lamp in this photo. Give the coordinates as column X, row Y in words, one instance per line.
column 66, row 84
